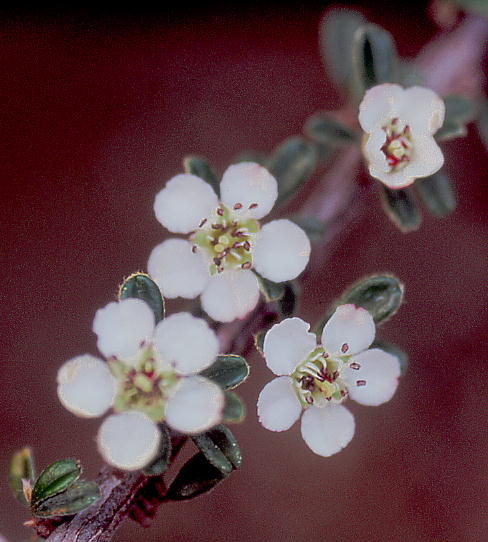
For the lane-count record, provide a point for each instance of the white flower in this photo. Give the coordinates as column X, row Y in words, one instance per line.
column 318, row 378
column 150, row 376
column 226, row 241
column 400, row 124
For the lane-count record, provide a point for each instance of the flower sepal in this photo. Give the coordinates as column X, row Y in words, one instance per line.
column 141, row 286
column 199, row 166
column 437, row 194
column 21, row 475
column 400, row 207
column 220, row 448
column 228, row 371
column 460, row 111
column 234, row 409
column 161, row 462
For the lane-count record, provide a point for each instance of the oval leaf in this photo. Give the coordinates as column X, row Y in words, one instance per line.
column 401, row 208
column 234, row 410
column 21, row 467
column 437, row 193
column 220, row 448
column 55, row 478
column 77, row 497
column 272, row 291
column 394, row 350
column 287, row 305
column 325, row 130
column 141, row 286
column 313, row 227
column 228, row 371
column 197, row 476
column 196, row 165
column 160, row 464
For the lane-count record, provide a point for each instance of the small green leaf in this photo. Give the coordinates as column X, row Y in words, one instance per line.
column 272, row 291
column 141, row 286
column 437, row 193
column 74, row 499
column 160, row 464
column 220, row 448
column 228, row 371
column 197, row 476
column 234, row 410
column 55, row 478
column 459, row 112
column 482, row 123
column 313, row 227
column 259, row 340
column 374, row 59
column 21, row 467
column 250, row 156
column 324, row 129
column 291, row 164
column 196, row 165
column 401, row 208
column 477, row 7
column 450, row 130
column 287, row 305
column 394, row 350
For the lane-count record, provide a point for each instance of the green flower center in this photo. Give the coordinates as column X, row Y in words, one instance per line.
column 398, row 145
column 143, row 387
column 226, row 239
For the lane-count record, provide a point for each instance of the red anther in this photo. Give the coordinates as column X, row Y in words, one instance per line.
column 246, row 265
column 335, row 374
column 237, row 244
column 309, row 400
column 234, row 223
column 343, row 393
column 355, row 366
column 202, row 222
column 217, row 261
column 253, row 206
column 194, row 248
column 214, row 242
column 247, row 245
column 360, row 382
column 344, row 348
column 220, row 211
column 329, row 398
column 217, row 226
column 325, row 355
column 238, row 206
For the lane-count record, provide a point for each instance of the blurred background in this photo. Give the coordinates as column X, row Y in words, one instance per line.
column 97, row 111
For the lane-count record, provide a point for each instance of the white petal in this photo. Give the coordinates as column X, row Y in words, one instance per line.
column 282, row 250
column 85, row 386
column 129, row 440
column 381, row 372
column 287, row 344
column 379, row 105
column 230, row 295
column 177, row 270
column 196, row 406
column 248, row 183
column 422, row 109
column 327, row 430
column 184, row 202
column 187, row 342
column 349, row 330
column 122, row 327
column 278, row 405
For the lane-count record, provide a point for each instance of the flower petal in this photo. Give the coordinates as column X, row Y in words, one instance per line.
column 282, row 250
column 380, row 370
column 196, row 406
column 187, row 342
column 427, row 157
column 177, row 270
column 349, row 330
column 287, row 344
column 327, row 430
column 248, row 183
column 422, row 109
column 183, row 202
column 122, row 327
column 129, row 440
column 230, row 295
column 85, row 386
column 379, row 105
column 278, row 405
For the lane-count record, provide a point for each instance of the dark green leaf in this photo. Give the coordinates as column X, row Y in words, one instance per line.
column 459, row 112
column 401, row 208
column 482, row 123
column 287, row 305
column 77, row 497
column 20, row 468
column 160, row 464
column 220, row 448
column 396, row 351
column 324, row 129
column 234, row 410
column 437, row 193
column 141, row 286
column 291, row 164
column 197, row 476
column 313, row 227
column 450, row 130
column 259, row 341
column 272, row 291
column 250, row 156
column 196, row 165
column 228, row 371
column 55, row 478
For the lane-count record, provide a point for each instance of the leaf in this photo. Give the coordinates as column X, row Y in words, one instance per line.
column 313, row 227
column 160, row 464
column 259, row 340
column 21, row 467
column 220, row 448
column 324, row 129
column 374, row 59
column 229, row 371
column 141, row 286
column 272, row 291
column 437, row 193
column 77, row 497
column 287, row 305
column 459, row 112
column 394, row 350
column 234, row 410
column 291, row 164
column 55, row 478
column 197, row 476
column 400, row 208
column 250, row 156
column 478, row 7
column 199, row 166
column 482, row 123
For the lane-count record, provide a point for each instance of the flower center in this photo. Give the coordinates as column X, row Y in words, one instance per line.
column 226, row 239
column 398, row 145
column 144, row 387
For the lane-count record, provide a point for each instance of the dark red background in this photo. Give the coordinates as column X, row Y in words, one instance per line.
column 97, row 110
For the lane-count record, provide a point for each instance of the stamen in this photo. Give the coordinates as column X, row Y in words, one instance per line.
column 360, row 382
column 253, row 206
column 344, row 348
column 309, row 400
column 246, row 265
column 237, row 206
column 247, row 245
column 194, row 248
column 355, row 366
column 217, row 226
column 202, row 222
column 220, row 211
